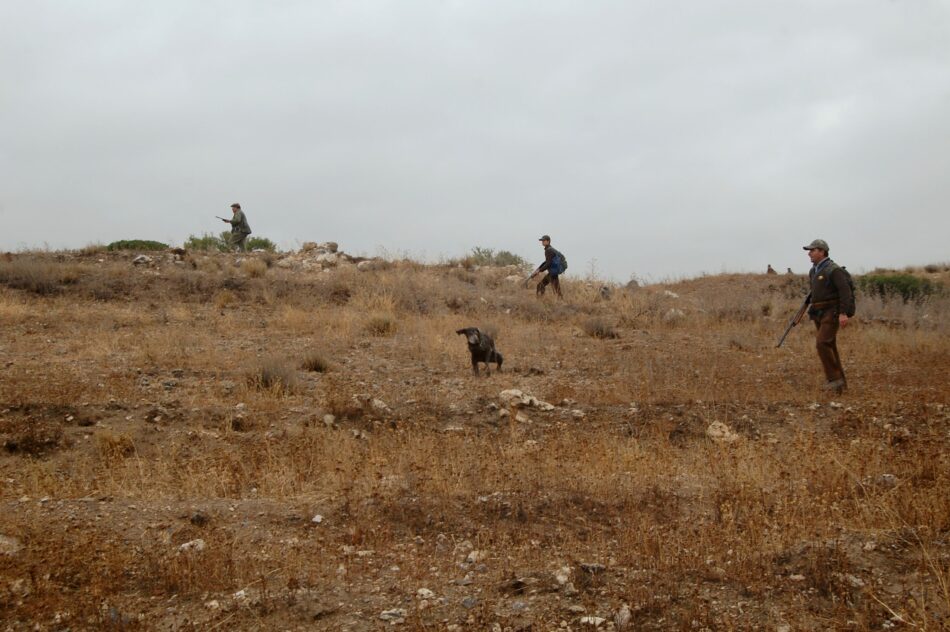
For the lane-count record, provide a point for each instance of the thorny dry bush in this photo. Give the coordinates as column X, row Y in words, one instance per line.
column 145, row 410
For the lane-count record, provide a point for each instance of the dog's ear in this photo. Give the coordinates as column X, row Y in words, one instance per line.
column 461, row 332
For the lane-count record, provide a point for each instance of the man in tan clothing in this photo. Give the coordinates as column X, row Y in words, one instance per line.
column 831, row 305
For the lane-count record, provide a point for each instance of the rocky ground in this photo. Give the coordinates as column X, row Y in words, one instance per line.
column 276, row 442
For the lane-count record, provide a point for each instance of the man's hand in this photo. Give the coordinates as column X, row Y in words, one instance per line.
column 843, row 320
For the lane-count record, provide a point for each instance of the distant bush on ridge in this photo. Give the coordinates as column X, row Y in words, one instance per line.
column 137, row 244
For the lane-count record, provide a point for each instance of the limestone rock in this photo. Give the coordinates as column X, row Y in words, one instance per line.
column 720, row 432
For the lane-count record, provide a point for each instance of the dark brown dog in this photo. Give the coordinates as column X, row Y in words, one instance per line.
column 482, row 348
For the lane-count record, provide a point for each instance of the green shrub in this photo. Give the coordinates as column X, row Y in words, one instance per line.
column 907, row 287
column 488, row 257
column 207, row 241
column 222, row 242
column 261, row 243
column 137, row 244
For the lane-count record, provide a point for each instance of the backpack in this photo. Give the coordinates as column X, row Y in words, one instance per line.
column 558, row 263
column 847, row 277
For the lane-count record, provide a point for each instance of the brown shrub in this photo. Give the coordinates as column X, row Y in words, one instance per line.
column 599, row 328
column 37, row 276
column 223, row 298
column 254, row 268
column 315, row 362
column 380, row 324
column 274, row 375
column 114, row 446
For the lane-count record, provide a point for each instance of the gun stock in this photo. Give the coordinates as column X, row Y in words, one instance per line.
column 795, row 320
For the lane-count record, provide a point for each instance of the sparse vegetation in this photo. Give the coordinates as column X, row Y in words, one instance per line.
column 254, row 268
column 137, row 244
column 315, row 362
column 380, row 324
column 599, row 328
column 905, row 287
column 222, row 243
column 489, row 257
column 274, row 375
column 194, row 447
column 37, row 275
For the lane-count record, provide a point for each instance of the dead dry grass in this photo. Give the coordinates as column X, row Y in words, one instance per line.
column 147, row 418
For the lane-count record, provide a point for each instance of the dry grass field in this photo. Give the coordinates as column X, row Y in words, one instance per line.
column 215, row 444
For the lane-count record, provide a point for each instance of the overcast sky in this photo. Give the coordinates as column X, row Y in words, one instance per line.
column 652, row 138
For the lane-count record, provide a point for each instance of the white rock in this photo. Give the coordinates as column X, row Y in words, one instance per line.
column 522, row 418
column 563, row 575
column 670, row 294
column 425, row 593
column 9, row 545
column 511, row 397
column 720, row 432
column 193, row 545
column 212, row 605
column 578, row 414
column 673, row 316
column 317, row 519
column 329, row 420
column 622, row 618
column 393, row 615
column 142, row 260
column 366, row 266
column 380, row 406
column 593, row 621
column 475, row 556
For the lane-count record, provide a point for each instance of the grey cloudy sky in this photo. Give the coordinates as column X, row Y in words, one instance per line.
column 652, row 138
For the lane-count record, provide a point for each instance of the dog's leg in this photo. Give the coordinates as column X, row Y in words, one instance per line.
column 498, row 361
column 474, row 366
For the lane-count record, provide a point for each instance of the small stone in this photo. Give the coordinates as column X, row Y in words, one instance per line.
column 394, row 615
column 317, row 519
column 576, row 609
column 469, row 602
column 796, row 578
column 9, row 545
column 199, row 519
column 522, row 418
column 578, row 414
column 592, row 567
column 475, row 557
column 212, row 605
column 593, row 621
column 720, row 433
column 193, row 545
column 329, row 420
column 425, row 593
column 622, row 618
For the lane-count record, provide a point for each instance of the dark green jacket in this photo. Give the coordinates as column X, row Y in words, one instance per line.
column 239, row 224
column 830, row 288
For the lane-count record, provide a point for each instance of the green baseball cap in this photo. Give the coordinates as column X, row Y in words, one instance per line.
column 820, row 244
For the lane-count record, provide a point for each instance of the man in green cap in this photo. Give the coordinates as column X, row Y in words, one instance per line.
column 831, row 305
column 240, row 229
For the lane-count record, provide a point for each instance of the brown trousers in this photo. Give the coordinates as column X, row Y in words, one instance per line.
column 826, row 332
column 553, row 280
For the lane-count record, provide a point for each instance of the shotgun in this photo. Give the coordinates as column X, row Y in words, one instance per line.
column 795, row 319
